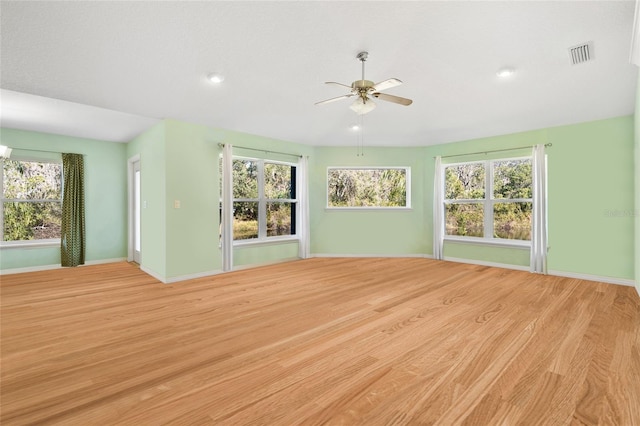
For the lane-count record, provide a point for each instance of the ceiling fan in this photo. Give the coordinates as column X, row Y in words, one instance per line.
column 365, row 89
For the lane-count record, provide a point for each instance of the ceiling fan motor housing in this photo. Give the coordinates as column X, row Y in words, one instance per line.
column 362, row 84
column 364, row 88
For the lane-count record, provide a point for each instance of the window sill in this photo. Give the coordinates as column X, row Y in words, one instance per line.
column 29, row 244
column 356, row 209
column 265, row 242
column 495, row 242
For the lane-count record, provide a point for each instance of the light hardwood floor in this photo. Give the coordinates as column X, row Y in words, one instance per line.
column 319, row 341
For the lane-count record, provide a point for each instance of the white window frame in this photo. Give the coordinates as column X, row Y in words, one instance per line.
column 262, row 201
column 488, row 203
column 48, row 242
column 407, row 171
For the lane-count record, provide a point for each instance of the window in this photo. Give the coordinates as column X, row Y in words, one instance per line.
column 387, row 187
column 31, row 200
column 489, row 199
column 264, row 199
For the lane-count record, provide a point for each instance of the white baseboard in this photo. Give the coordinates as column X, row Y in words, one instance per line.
column 485, row 263
column 587, row 277
column 193, row 276
column 180, row 278
column 57, row 266
column 153, row 274
column 218, row 271
column 257, row 265
column 370, row 255
column 173, row 280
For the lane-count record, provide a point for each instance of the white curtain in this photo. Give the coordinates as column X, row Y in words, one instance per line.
column 539, row 219
column 438, row 211
column 227, row 207
column 303, row 207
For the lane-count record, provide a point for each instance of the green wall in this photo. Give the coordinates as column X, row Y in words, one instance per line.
column 590, row 192
column 480, row 253
column 389, row 232
column 590, row 172
column 151, row 147
column 105, row 198
column 180, row 162
column 591, row 198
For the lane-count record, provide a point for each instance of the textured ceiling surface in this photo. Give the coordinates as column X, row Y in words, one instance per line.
column 133, row 63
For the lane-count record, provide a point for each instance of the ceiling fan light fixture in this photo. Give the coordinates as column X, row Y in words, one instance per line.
column 362, row 106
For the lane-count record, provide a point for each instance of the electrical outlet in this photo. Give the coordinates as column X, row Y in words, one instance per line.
column 176, row 204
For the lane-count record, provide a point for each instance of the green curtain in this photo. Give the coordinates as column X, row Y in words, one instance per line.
column 72, row 237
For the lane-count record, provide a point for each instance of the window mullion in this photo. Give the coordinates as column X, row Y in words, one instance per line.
column 488, row 196
column 262, row 203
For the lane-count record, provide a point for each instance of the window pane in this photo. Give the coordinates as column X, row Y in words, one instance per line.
column 512, row 179
column 464, row 181
column 245, row 220
column 280, row 219
column 25, row 180
column 464, row 220
column 367, row 188
column 512, row 220
column 32, row 221
column 245, row 179
column 277, row 181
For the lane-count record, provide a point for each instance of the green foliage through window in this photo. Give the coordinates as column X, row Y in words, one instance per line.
column 509, row 205
column 374, row 187
column 31, row 200
column 263, row 192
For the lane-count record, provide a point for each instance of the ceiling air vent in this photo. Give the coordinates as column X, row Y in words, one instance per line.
column 581, row 53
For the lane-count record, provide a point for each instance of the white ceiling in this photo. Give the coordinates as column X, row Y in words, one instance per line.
column 132, row 63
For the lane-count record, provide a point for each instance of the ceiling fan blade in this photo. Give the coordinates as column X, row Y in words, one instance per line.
column 392, row 98
column 334, row 99
column 339, row 84
column 387, row 84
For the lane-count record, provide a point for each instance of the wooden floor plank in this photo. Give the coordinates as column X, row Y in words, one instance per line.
column 320, row 341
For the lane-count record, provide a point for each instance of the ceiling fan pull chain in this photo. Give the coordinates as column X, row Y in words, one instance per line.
column 361, row 137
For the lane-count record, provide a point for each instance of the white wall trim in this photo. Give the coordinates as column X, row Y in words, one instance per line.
column 485, row 263
column 180, row 278
column 130, row 202
column 257, row 265
column 587, row 277
column 187, row 277
column 153, row 274
column 57, row 266
column 371, row 255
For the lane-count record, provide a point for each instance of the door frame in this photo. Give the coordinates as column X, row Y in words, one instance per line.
column 131, row 206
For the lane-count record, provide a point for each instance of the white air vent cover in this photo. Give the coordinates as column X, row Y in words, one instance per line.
column 581, row 53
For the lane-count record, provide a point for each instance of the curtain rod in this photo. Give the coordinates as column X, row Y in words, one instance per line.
column 266, row 151
column 494, row 150
column 45, row 150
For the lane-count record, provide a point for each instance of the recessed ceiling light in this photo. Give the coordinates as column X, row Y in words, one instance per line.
column 355, row 127
column 215, row 78
column 505, row 72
